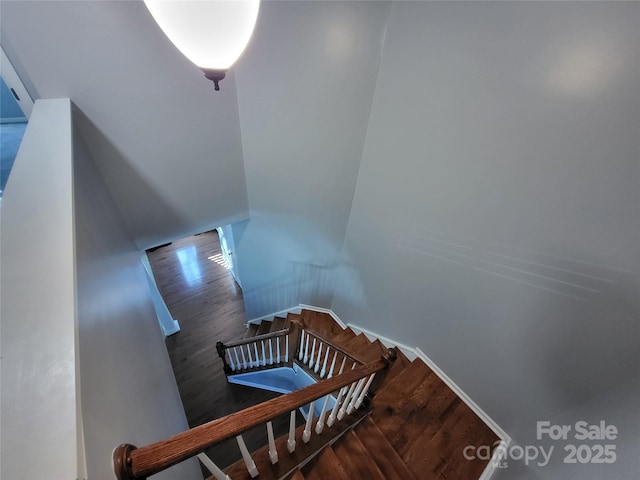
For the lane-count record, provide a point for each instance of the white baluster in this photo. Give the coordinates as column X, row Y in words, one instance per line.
column 324, row 365
column 246, row 456
column 270, row 353
column 364, row 391
column 320, row 424
column 291, row 442
column 213, row 468
column 233, row 367
column 306, row 433
column 301, row 347
column 286, row 350
column 345, row 404
column 273, row 453
column 306, row 350
column 255, row 348
column 332, row 416
column 318, row 357
column 250, row 358
column 235, row 352
column 344, row 361
column 333, row 364
column 355, row 395
column 313, row 349
column 244, row 360
column 264, row 355
column 278, row 342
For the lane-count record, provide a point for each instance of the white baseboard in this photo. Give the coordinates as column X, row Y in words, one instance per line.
column 175, row 328
column 496, row 460
column 270, row 316
column 298, row 309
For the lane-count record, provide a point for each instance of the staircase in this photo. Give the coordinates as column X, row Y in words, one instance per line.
column 415, row 426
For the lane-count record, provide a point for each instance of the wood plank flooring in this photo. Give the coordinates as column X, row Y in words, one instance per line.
column 207, row 302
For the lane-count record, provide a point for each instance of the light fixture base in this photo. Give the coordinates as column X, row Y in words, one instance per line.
column 215, row 76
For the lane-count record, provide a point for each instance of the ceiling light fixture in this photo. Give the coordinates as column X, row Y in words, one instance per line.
column 210, row 33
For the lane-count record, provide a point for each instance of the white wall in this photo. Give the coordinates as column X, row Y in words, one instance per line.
column 495, row 223
column 129, row 393
column 75, row 304
column 40, row 430
column 305, row 85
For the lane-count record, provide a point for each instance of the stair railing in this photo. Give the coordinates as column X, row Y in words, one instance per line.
column 133, row 463
column 320, row 355
column 256, row 353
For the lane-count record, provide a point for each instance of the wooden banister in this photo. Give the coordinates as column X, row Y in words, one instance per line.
column 324, row 339
column 222, row 348
column 257, row 338
column 132, row 463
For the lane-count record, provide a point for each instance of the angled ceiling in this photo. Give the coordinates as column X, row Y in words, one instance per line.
column 180, row 158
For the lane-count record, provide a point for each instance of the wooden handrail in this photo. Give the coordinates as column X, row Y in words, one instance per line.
column 132, row 463
column 324, row 339
column 258, row 338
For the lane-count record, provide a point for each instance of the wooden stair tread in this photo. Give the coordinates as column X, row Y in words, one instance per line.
column 343, row 336
column 326, row 466
column 399, row 386
column 252, row 330
column 356, row 344
column 355, row 458
column 365, row 350
column 449, row 435
column 277, row 324
column 441, row 405
column 389, row 462
column 378, row 347
column 319, row 322
column 399, row 406
column 396, row 367
column 351, row 342
column 265, row 327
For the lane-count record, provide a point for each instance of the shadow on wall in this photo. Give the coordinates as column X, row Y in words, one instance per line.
column 284, row 260
column 305, row 283
column 129, row 179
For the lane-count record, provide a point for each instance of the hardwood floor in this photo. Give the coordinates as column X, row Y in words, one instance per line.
column 207, row 302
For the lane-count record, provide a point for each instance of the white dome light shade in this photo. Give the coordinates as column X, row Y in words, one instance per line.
column 210, row 33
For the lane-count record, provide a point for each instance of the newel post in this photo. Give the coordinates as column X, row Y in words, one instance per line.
column 220, row 349
column 294, row 339
column 390, row 356
column 122, row 462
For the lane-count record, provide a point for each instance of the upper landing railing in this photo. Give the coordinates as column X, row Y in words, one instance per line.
column 259, row 352
column 280, row 348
